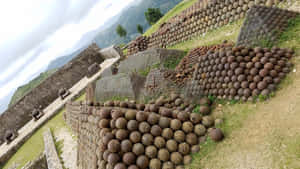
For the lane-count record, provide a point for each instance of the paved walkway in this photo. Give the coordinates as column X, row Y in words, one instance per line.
column 26, row 131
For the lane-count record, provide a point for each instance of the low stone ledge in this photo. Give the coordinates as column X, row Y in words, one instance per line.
column 52, row 158
column 39, row 163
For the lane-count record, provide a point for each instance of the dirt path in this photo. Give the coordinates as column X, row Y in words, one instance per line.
column 269, row 137
column 69, row 149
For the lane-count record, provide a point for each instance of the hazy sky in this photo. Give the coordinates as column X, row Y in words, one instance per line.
column 35, row 32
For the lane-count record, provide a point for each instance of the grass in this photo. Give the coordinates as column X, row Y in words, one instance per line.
column 229, row 32
column 34, row 146
column 58, row 146
column 234, row 115
column 176, row 10
column 25, row 89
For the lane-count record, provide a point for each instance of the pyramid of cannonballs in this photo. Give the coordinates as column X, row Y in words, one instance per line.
column 264, row 23
column 241, row 72
column 185, row 69
column 160, row 135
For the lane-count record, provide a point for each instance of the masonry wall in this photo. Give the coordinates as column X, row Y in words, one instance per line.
column 264, row 25
column 84, row 122
column 201, row 17
column 44, row 94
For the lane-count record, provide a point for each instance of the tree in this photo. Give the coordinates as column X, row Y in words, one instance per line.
column 153, row 15
column 140, row 29
column 121, row 31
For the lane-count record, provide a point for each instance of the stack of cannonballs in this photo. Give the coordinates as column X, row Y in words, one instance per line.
column 160, row 135
column 139, row 44
column 241, row 72
column 186, row 67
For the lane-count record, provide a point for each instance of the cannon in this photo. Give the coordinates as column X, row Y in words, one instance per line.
column 93, row 69
column 63, row 93
column 36, row 114
column 10, row 136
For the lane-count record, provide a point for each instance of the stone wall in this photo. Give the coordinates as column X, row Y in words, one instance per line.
column 52, row 158
column 84, row 122
column 39, row 163
column 263, row 25
column 19, row 114
column 201, row 17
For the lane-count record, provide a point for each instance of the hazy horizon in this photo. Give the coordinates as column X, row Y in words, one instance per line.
column 38, row 32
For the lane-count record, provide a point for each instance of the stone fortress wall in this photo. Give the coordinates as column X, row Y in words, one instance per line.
column 200, row 18
column 18, row 115
column 264, row 25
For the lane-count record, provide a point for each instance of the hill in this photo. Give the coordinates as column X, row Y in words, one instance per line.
column 23, row 90
column 129, row 18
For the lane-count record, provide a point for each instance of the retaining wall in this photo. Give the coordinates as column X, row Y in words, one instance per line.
column 19, row 114
column 201, row 17
column 52, row 158
column 264, row 25
column 39, row 163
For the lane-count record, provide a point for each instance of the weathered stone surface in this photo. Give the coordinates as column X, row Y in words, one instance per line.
column 39, row 163
column 120, row 85
column 52, row 158
column 263, row 25
column 148, row 58
column 19, row 114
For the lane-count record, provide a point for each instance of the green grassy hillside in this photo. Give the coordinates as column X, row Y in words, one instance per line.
column 23, row 90
column 176, row 10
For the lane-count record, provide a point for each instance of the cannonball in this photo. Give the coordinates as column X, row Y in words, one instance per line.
column 105, row 113
column 205, row 101
column 156, row 130
column 151, row 151
column 135, row 137
column 172, row 145
column 142, row 162
column 183, row 116
column 141, row 116
column 119, row 166
column 195, row 118
column 175, row 124
column 179, row 136
column 184, row 148
column 132, row 125
column 113, row 158
column 187, row 127
column 191, row 138
column 187, row 159
column 216, row 134
column 147, row 139
column 153, row 118
column 122, row 134
column 195, row 149
column 163, row 155
column 167, row 133
column 121, row 123
column 130, row 115
column 138, row 149
column 144, row 127
column 129, row 158
column 114, row 146
column 159, row 142
column 164, row 122
column 199, row 129
column 207, row 121
column 204, row 110
column 176, row 158
column 126, row 146
column 155, row 164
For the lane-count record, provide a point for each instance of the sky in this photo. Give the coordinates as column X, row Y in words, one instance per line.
column 34, row 33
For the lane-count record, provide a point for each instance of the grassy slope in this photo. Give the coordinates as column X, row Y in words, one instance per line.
column 177, row 9
column 23, row 90
column 237, row 116
column 35, row 144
